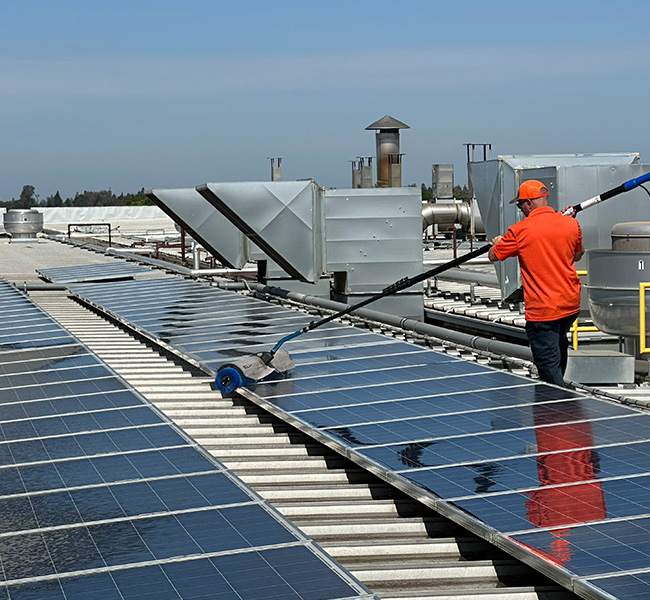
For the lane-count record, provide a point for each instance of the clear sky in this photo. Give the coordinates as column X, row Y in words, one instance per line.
column 133, row 94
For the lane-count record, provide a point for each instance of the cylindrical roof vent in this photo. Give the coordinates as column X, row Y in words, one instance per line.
column 23, row 224
column 387, row 138
column 631, row 236
column 615, row 277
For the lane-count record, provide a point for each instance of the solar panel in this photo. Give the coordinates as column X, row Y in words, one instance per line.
column 101, row 497
column 118, row 269
column 554, row 477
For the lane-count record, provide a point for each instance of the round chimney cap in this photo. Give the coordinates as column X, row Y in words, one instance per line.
column 388, row 122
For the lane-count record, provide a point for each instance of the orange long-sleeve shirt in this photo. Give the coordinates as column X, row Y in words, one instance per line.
column 546, row 243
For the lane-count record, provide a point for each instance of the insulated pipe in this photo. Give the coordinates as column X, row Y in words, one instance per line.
column 34, row 286
column 231, row 285
column 467, row 276
column 465, row 339
column 450, row 213
column 446, row 214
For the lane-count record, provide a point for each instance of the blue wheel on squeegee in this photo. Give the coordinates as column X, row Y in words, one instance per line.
column 228, row 380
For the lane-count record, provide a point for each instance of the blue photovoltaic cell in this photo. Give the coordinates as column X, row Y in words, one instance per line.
column 491, row 446
column 281, row 396
column 588, row 550
column 92, row 478
column 98, row 272
column 474, row 400
column 77, row 357
column 447, row 422
column 510, row 453
column 625, row 586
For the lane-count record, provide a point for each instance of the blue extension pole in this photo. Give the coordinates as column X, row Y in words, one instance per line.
column 624, row 187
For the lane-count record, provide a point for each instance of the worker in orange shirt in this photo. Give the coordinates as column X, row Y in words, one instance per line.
column 547, row 244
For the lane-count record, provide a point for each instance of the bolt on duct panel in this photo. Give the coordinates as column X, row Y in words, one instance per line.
column 208, row 226
column 284, row 219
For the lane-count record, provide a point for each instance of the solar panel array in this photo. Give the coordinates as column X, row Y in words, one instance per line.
column 560, row 479
column 119, row 269
column 102, row 498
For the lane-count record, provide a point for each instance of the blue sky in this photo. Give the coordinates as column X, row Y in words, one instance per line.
column 174, row 94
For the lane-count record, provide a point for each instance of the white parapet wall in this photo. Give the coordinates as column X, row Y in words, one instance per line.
column 124, row 219
column 100, row 214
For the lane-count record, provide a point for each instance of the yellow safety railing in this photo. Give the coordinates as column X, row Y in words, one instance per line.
column 575, row 328
column 642, row 333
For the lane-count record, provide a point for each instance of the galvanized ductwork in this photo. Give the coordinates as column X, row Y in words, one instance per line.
column 447, row 214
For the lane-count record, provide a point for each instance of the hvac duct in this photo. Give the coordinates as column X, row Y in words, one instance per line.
column 449, row 213
column 570, row 178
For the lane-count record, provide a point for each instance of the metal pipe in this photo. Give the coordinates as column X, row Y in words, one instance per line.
column 231, row 285
column 196, row 261
column 33, row 286
column 70, row 225
column 446, row 214
column 459, row 213
column 467, row 276
column 464, row 339
column 131, row 250
column 221, row 271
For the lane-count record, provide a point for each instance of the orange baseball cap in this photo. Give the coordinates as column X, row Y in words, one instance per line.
column 530, row 190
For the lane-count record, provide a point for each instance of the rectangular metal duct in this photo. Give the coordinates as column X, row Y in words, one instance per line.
column 206, row 225
column 571, row 178
column 373, row 238
column 442, row 181
column 284, row 219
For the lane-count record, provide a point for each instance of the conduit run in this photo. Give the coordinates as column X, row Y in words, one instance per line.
column 472, row 341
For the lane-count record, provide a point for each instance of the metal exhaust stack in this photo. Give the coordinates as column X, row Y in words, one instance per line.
column 389, row 159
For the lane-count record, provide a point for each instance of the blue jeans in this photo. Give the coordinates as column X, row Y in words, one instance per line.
column 549, row 344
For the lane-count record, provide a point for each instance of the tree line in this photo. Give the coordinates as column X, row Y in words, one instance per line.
column 460, row 193
column 30, row 199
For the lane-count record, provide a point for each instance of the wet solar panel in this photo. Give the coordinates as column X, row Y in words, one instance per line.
column 562, row 478
column 118, row 269
column 102, row 497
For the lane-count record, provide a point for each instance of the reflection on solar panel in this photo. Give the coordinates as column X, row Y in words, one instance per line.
column 558, row 479
column 102, row 498
column 100, row 272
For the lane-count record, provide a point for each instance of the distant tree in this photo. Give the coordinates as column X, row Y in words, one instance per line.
column 461, row 193
column 139, row 199
column 28, row 197
column 81, row 200
column 427, row 192
column 55, row 200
